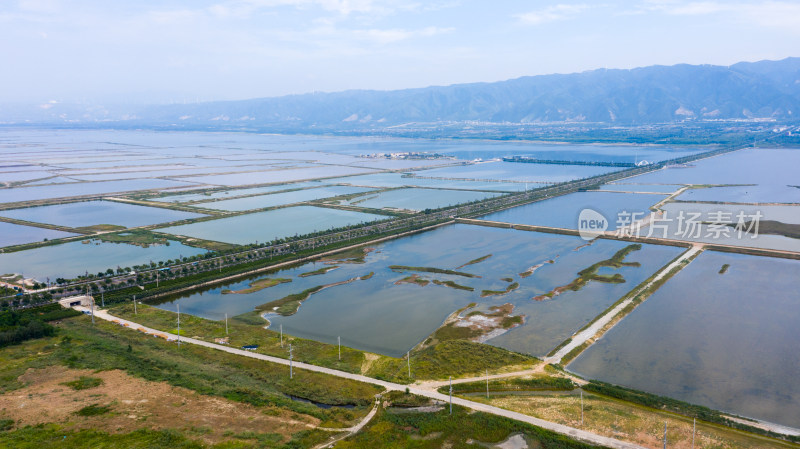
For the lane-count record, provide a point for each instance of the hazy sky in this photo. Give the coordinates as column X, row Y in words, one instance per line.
column 179, row 50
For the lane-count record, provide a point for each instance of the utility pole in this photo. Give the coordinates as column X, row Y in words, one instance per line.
column 581, row 408
column 291, row 356
column 339, row 339
column 134, row 305
column 451, row 395
column 226, row 324
column 179, row 324
column 281, row 325
column 408, row 360
column 487, row 384
column 665, row 435
column 103, row 299
column 157, row 279
column 694, row 430
column 92, row 311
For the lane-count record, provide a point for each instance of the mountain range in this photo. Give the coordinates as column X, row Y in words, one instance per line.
column 647, row 95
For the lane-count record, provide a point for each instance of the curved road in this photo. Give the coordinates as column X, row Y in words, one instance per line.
column 572, row 432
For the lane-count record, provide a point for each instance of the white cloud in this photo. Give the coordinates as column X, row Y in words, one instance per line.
column 386, row 36
column 552, row 13
column 775, row 14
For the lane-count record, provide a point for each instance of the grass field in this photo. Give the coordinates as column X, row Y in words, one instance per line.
column 626, row 421
column 121, row 358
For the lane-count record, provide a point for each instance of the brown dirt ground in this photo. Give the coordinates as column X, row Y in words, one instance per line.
column 137, row 404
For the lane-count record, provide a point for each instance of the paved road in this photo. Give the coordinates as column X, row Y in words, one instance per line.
column 577, row 434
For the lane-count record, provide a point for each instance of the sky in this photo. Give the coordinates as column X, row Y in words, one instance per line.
column 148, row 51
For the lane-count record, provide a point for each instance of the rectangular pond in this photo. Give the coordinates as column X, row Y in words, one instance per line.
column 273, row 224
column 772, row 171
column 405, row 180
column 235, row 192
column 516, row 171
column 728, row 341
column 563, row 211
column 20, row 194
column 417, row 199
column 72, row 259
column 88, row 213
column 278, row 176
column 380, row 315
column 14, row 234
column 698, row 218
column 279, row 199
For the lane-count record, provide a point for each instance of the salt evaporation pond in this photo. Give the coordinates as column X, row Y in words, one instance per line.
column 563, row 211
column 417, row 199
column 378, row 315
column 773, row 171
column 727, row 341
column 273, row 224
column 279, row 199
column 88, row 213
column 72, row 259
column 14, row 234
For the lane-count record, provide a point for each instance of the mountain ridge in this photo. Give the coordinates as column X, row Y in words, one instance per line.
column 645, row 95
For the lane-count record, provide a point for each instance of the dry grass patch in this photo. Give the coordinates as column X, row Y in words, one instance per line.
column 135, row 404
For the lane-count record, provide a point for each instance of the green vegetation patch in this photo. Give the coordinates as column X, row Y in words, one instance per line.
column 289, row 304
column 539, row 383
column 590, row 273
column 18, row 326
column 248, row 329
column 258, row 285
column 449, row 358
column 474, row 261
column 404, row 399
column 94, row 410
column 441, row 429
column 207, row 371
column 6, row 425
column 413, row 279
column 791, row 230
column 724, row 268
column 452, row 284
column 675, row 406
column 138, row 237
column 99, row 228
column 84, row 383
column 318, row 272
column 353, row 255
column 511, row 287
column 401, row 268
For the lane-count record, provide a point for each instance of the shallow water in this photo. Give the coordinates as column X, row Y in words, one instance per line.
column 400, row 180
column 272, row 224
column 377, row 315
column 725, row 235
column 14, row 234
column 88, row 213
column 236, row 192
column 279, row 199
column 727, row 341
column 563, row 211
column 774, row 171
column 75, row 258
column 85, row 188
column 514, row 171
column 418, row 199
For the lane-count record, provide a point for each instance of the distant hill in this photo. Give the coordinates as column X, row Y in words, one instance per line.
column 655, row 94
